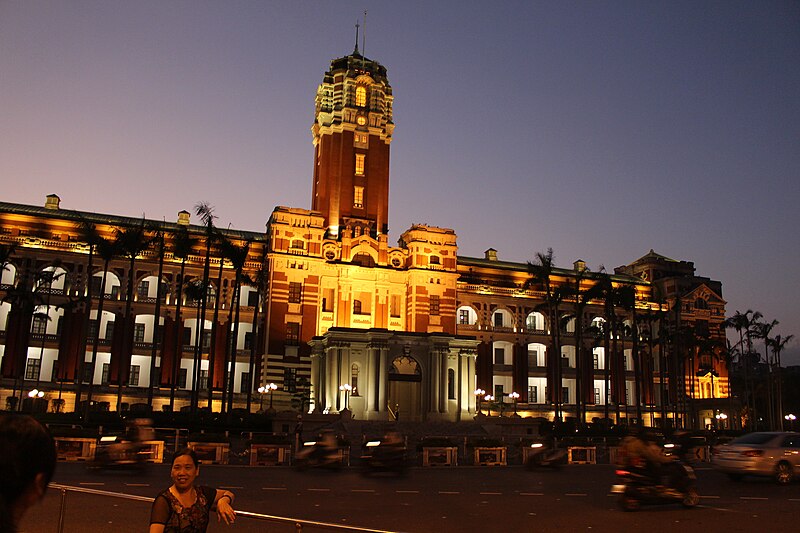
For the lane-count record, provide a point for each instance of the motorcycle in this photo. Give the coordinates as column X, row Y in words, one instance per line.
column 116, row 453
column 545, row 456
column 318, row 454
column 637, row 487
column 384, row 456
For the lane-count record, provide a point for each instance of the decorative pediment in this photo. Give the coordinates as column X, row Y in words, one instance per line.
column 703, row 292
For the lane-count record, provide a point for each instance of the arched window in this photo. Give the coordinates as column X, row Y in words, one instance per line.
column 356, row 307
column 361, row 96
column 700, row 304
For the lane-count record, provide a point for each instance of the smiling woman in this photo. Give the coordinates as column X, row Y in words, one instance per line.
column 184, row 507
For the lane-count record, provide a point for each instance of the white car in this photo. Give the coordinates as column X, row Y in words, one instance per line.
column 768, row 453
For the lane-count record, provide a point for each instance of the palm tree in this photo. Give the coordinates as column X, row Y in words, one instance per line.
column 213, row 354
column 261, row 283
column 777, row 344
column 206, row 214
column 237, row 255
column 6, row 252
column 159, row 239
column 540, row 275
column 91, row 237
column 24, row 298
column 132, row 242
column 182, row 245
column 762, row 331
column 107, row 250
column 743, row 324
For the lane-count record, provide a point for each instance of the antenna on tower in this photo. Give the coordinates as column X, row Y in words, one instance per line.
column 355, row 52
column 364, row 37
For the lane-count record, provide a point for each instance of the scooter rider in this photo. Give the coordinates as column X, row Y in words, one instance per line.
column 639, row 451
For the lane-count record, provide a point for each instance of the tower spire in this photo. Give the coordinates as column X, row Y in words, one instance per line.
column 355, row 52
column 364, row 36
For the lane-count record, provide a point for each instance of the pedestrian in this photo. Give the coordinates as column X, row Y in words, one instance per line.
column 185, row 507
column 27, row 463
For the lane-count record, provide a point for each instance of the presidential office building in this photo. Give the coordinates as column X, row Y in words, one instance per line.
column 111, row 312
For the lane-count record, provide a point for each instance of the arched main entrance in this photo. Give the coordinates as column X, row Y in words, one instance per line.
column 405, row 388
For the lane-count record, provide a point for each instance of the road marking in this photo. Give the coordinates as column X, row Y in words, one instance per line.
column 318, row 490
column 273, row 488
column 794, row 499
column 752, row 498
column 575, row 494
column 531, row 493
column 448, row 492
column 137, row 484
column 229, row 487
column 407, row 491
column 362, row 490
column 91, row 484
column 490, row 493
column 710, row 497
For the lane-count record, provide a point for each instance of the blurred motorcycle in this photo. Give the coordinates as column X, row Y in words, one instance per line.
column 321, row 453
column 385, row 455
column 637, row 487
column 542, row 455
column 115, row 452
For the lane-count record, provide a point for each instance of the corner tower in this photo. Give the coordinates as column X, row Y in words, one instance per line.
column 352, row 132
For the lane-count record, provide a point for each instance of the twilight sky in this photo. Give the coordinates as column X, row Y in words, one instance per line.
column 600, row 129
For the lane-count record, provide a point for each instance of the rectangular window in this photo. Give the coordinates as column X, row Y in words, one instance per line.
column 206, row 338
column 138, row 333
column 564, row 394
column 327, row 300
column 498, row 320
column 463, row 316
column 290, row 380
column 395, row 305
column 93, row 327
column 248, row 340
column 358, row 196
column 597, row 396
column 596, row 361
column 159, row 334
column 252, row 298
column 203, row 380
column 533, row 394
column 360, row 163
column 244, row 382
column 499, row 356
column 109, row 330
column 87, row 372
column 182, row 373
column 32, row 368
column 451, row 384
column 96, row 282
column 361, row 138
column 133, row 379
column 498, row 393
column 39, row 325
column 104, row 375
column 143, row 290
column 434, row 306
column 533, row 358
column 292, row 333
column 187, row 336
column 295, row 292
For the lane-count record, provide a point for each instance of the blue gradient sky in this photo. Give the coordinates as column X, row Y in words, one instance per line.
column 600, row 129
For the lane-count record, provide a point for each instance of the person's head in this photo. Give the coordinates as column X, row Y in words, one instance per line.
column 185, row 468
column 27, row 463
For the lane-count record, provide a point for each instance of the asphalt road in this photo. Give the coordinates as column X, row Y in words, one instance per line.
column 462, row 499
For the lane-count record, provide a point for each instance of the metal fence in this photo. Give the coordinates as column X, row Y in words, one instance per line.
column 297, row 523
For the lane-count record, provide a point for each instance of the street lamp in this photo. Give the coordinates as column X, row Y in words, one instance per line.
column 514, row 396
column 270, row 388
column 721, row 418
column 346, row 388
column 36, row 393
column 489, row 399
column 478, row 395
column 790, row 418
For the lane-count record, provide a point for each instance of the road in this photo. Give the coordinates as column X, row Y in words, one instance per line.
column 463, row 499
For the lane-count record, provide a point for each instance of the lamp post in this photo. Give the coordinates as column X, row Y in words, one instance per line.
column 514, row 396
column 270, row 388
column 489, row 399
column 478, row 395
column 790, row 418
column 346, row 388
column 721, row 418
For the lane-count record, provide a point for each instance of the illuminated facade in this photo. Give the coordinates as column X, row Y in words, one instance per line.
column 325, row 300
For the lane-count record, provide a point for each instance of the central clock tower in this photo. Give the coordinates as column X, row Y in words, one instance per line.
column 352, row 131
